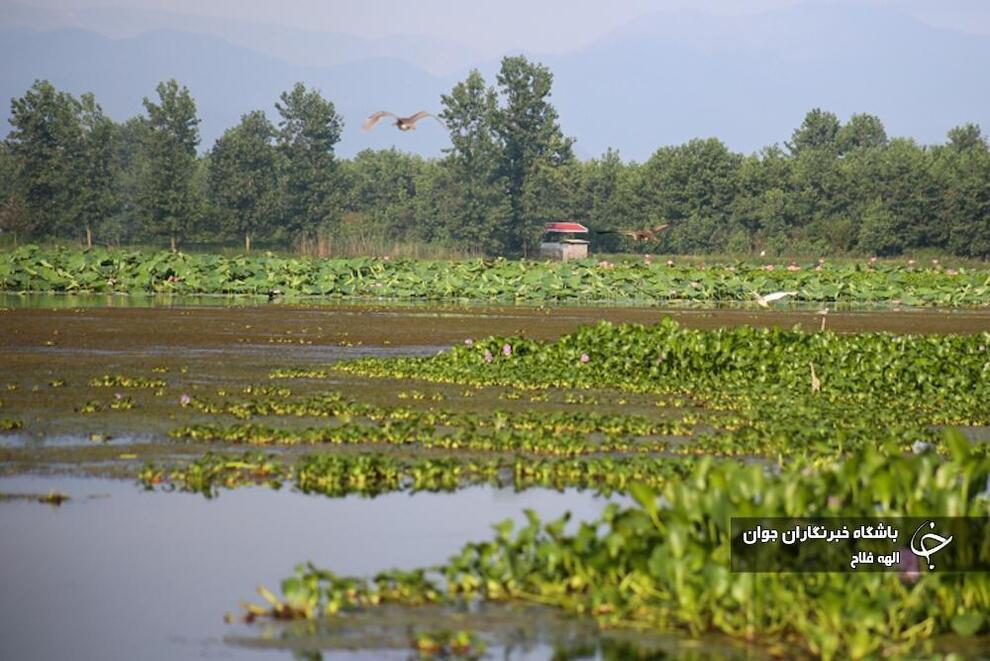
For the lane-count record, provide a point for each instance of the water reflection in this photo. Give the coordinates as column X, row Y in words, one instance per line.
column 150, row 575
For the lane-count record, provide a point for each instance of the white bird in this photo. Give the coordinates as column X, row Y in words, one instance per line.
column 765, row 301
column 816, row 383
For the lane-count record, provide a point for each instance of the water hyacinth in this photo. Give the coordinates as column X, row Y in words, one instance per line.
column 507, row 349
column 185, row 399
column 585, row 358
column 469, row 342
column 488, row 356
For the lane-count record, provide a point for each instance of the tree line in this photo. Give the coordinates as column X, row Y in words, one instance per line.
column 69, row 171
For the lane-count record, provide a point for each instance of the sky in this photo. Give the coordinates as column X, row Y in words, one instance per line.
column 548, row 26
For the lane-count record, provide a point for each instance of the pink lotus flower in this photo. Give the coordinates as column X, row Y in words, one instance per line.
column 506, row 349
column 585, row 358
column 185, row 399
column 488, row 356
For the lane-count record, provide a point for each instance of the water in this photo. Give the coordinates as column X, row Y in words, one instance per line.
column 120, row 573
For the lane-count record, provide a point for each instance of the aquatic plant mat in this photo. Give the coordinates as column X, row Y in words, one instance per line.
column 690, row 426
column 631, row 280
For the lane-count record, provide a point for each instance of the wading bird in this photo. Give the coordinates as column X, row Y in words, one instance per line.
column 816, row 384
column 765, row 301
column 638, row 235
column 403, row 123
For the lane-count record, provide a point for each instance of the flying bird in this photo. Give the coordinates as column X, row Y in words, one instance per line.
column 403, row 123
column 765, row 301
column 638, row 235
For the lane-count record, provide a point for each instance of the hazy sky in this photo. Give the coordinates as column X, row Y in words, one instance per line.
column 492, row 27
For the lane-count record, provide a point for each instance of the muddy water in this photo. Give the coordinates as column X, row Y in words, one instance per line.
column 50, row 351
column 140, row 575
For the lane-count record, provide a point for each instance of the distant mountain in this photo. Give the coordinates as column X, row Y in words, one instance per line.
column 296, row 46
column 663, row 79
column 226, row 81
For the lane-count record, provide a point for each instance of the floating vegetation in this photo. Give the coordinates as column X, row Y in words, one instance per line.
column 10, row 424
column 119, row 381
column 31, row 268
column 55, row 498
column 664, row 563
column 297, row 373
column 375, row 473
column 117, row 403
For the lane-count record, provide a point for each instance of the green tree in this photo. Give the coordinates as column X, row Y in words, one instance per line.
column 12, row 214
column 967, row 137
column 242, row 177
column 819, row 130
column 474, row 181
column 45, row 142
column 532, row 141
column 862, row 131
column 878, row 233
column 965, row 199
column 169, row 193
column 692, row 187
column 97, row 170
column 382, row 187
column 131, row 157
column 308, row 131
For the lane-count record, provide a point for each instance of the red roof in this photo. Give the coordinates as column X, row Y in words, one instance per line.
column 566, row 227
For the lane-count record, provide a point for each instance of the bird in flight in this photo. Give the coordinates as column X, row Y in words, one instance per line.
column 638, row 235
column 765, row 301
column 403, row 123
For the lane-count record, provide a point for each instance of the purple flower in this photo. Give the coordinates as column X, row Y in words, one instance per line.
column 908, row 569
column 507, row 349
column 185, row 399
column 488, row 356
column 585, row 358
column 469, row 342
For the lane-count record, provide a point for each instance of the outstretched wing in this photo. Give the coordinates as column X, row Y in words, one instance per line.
column 420, row 115
column 373, row 119
column 660, row 228
column 630, row 233
column 770, row 298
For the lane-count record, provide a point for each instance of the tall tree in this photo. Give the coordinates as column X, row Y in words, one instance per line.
column 308, row 131
column 97, row 169
column 243, row 177
column 45, row 142
column 532, row 140
column 481, row 213
column 819, row 130
column 169, row 193
column 13, row 218
column 131, row 157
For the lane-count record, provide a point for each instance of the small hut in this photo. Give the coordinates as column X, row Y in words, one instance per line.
column 560, row 241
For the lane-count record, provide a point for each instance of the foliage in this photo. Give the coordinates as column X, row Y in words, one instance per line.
column 837, row 188
column 31, row 268
column 169, row 197
column 243, row 178
column 663, row 563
